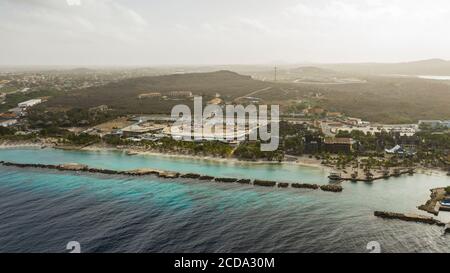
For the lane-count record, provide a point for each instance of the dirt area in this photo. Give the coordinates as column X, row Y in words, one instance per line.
column 114, row 124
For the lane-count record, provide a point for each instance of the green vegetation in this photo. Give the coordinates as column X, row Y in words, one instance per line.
column 38, row 118
column 447, row 190
column 390, row 100
column 380, row 99
column 13, row 99
column 82, row 139
column 251, row 150
column 169, row 145
column 294, row 136
column 123, row 95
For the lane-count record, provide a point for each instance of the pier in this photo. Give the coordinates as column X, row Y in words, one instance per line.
column 370, row 177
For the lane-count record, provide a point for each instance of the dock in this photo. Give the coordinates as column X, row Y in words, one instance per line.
column 370, row 177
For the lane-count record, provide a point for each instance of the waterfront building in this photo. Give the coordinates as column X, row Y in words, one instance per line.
column 339, row 145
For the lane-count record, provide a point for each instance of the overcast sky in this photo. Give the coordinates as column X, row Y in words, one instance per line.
column 154, row 32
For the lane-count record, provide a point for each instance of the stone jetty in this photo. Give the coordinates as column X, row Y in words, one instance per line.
column 191, row 176
column 409, row 217
column 433, row 205
column 244, row 181
column 332, row 188
column 225, row 180
column 75, row 167
column 206, row 178
column 264, row 183
column 305, row 186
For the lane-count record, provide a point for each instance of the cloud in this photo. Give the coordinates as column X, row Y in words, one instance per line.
column 89, row 20
column 205, row 31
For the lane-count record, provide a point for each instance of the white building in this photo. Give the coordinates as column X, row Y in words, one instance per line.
column 7, row 123
column 29, row 103
column 435, row 123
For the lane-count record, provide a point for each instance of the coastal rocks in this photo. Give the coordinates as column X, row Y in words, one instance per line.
column 331, row 188
column 73, row 167
column 226, row 180
column 305, row 186
column 409, row 217
column 104, row 171
column 432, row 205
column 191, row 176
column 264, row 183
column 244, row 181
column 140, row 172
column 206, row 178
column 168, row 175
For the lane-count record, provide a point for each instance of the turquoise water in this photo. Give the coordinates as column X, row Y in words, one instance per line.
column 121, row 161
column 41, row 210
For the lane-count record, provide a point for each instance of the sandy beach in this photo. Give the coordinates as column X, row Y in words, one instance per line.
column 301, row 161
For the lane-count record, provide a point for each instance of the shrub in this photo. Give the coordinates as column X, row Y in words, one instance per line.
column 447, row 190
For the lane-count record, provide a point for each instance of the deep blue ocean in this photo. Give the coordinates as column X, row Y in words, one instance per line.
column 42, row 210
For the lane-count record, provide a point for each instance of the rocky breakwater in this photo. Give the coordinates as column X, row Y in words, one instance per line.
column 264, row 183
column 409, row 217
column 332, row 188
column 159, row 173
column 75, row 167
column 225, row 180
column 305, row 186
column 433, row 204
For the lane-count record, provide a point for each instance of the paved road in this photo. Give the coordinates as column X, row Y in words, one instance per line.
column 253, row 93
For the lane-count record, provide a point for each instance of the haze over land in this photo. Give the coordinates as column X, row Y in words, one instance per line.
column 361, row 58
column 123, row 32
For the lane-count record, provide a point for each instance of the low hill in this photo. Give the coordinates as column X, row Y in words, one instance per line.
column 378, row 99
column 123, row 95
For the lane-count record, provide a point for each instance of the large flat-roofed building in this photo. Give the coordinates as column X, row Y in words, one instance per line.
column 29, row 103
column 186, row 94
column 339, row 145
column 149, row 95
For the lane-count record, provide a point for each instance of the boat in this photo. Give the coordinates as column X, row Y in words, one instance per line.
column 335, row 176
column 445, row 203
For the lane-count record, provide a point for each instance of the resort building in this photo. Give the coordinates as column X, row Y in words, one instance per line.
column 29, row 103
column 149, row 95
column 434, row 123
column 339, row 145
column 186, row 94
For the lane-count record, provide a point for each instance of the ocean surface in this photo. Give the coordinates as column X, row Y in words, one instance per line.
column 42, row 210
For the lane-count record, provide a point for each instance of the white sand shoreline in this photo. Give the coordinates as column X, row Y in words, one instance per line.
column 301, row 161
